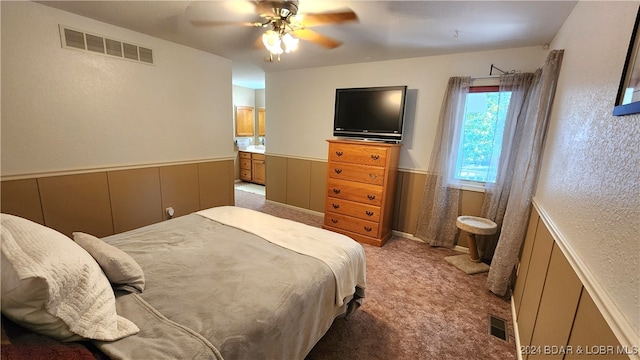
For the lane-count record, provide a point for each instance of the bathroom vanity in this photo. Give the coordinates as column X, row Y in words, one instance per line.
column 253, row 165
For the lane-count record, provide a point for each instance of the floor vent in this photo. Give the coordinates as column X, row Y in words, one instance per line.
column 498, row 327
column 80, row 40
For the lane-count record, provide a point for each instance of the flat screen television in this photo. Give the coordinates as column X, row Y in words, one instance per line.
column 372, row 113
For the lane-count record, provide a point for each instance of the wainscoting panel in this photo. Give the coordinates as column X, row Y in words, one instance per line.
column 135, row 198
column 77, row 203
column 276, row 185
column 318, row 185
column 298, row 182
column 557, row 317
column 590, row 328
column 534, row 284
column 409, row 189
column 215, row 181
column 22, row 198
column 302, row 183
column 525, row 258
column 106, row 202
column 558, row 305
column 180, row 189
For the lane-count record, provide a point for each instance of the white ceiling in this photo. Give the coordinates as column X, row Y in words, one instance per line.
column 385, row 30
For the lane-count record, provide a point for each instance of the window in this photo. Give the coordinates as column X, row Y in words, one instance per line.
column 480, row 137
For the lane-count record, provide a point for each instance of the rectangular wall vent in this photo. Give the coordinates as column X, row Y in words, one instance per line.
column 130, row 51
column 146, row 55
column 77, row 39
column 498, row 327
column 95, row 43
column 74, row 39
column 113, row 47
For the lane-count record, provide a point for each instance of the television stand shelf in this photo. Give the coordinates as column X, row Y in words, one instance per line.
column 361, row 183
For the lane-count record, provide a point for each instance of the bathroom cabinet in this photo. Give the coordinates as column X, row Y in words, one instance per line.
column 252, row 167
column 244, row 121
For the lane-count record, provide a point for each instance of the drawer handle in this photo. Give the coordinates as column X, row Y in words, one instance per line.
column 335, row 206
column 375, row 157
column 338, row 171
column 334, row 221
column 373, row 176
column 367, row 228
column 369, row 213
column 336, row 191
column 339, row 153
column 371, row 197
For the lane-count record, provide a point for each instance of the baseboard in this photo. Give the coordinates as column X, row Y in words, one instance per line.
column 405, row 235
column 457, row 248
column 516, row 333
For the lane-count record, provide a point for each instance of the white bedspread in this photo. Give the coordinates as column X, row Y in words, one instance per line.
column 344, row 256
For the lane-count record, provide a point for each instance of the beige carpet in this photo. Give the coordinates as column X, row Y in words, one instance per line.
column 463, row 263
column 417, row 305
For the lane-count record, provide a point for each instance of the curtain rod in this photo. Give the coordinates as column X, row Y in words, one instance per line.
column 485, row 77
column 502, row 71
column 492, row 75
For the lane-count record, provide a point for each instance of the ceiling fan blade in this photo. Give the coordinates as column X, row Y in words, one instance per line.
column 204, row 23
column 328, row 18
column 258, row 43
column 314, row 37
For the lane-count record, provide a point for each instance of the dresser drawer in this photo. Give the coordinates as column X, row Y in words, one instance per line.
column 359, row 192
column 352, row 208
column 353, row 172
column 349, row 223
column 245, row 174
column 358, row 154
column 245, row 164
column 257, row 156
column 245, row 155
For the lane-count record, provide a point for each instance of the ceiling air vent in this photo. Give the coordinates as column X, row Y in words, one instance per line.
column 76, row 39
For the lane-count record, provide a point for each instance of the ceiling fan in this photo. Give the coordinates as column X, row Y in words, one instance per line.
column 285, row 26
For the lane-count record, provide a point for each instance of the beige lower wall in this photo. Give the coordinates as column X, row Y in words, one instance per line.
column 112, row 201
column 553, row 310
column 296, row 182
column 302, row 183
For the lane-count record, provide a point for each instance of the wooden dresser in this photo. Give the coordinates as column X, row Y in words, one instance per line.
column 361, row 183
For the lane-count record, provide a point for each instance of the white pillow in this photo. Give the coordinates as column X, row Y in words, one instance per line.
column 54, row 287
column 119, row 267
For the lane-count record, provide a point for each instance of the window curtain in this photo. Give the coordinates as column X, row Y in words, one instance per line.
column 522, row 88
column 440, row 201
column 508, row 201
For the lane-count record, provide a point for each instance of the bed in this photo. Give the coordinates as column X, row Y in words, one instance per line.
column 222, row 283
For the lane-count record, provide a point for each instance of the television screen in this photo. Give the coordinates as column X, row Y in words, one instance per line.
column 370, row 113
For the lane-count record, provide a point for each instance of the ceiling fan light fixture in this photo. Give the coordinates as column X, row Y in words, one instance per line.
column 290, row 42
column 272, row 42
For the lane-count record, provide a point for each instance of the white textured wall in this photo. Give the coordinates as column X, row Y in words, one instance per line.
column 300, row 103
column 64, row 109
column 590, row 179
